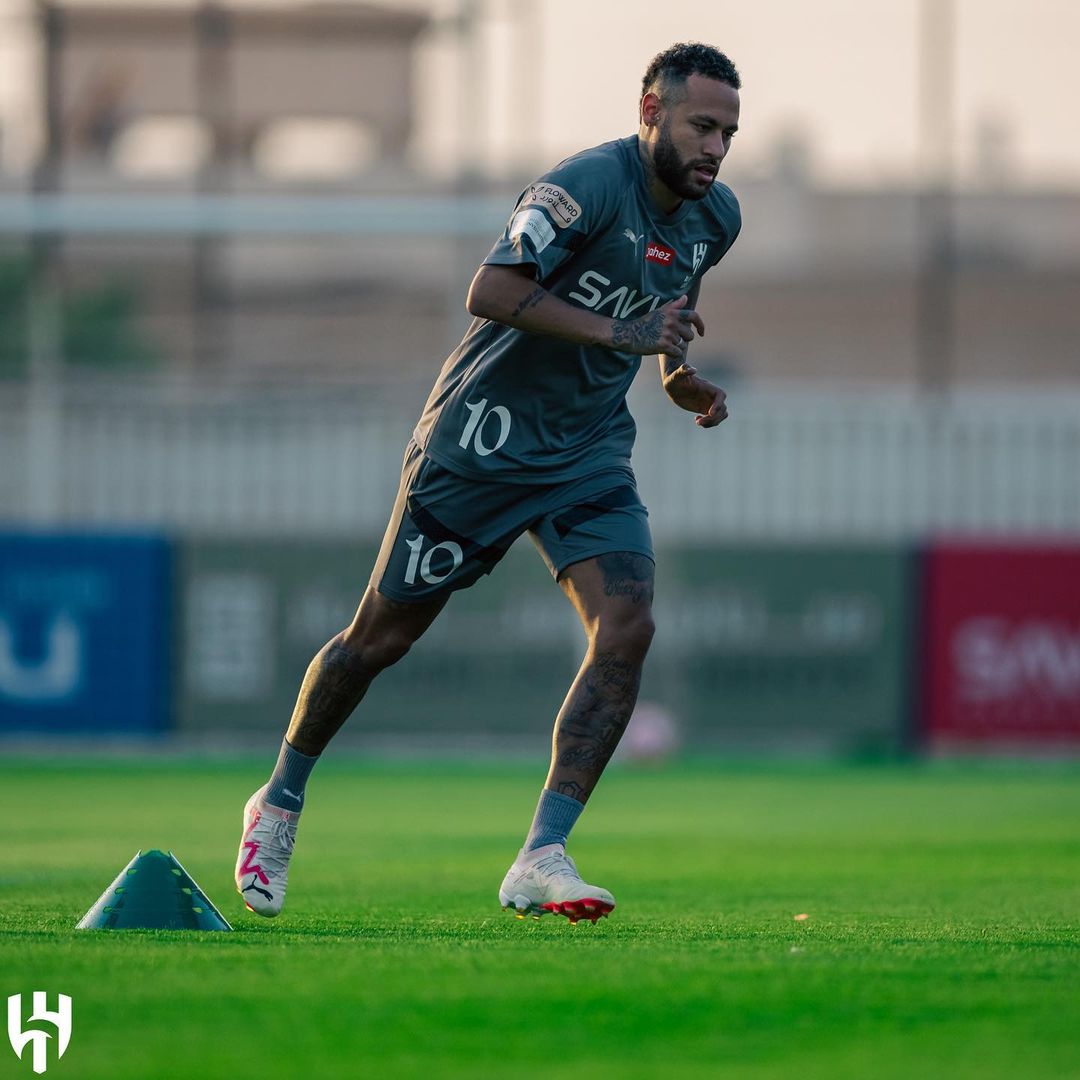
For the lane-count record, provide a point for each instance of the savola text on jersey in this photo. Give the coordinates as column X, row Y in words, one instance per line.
column 624, row 300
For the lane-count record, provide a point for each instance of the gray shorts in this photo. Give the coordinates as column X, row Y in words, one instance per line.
column 446, row 530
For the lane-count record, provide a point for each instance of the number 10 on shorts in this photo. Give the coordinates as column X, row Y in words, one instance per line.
column 432, row 568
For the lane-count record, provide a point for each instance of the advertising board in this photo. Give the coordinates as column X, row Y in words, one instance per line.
column 1002, row 644
column 85, row 629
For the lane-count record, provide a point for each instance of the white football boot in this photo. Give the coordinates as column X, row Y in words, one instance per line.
column 262, row 866
column 547, row 880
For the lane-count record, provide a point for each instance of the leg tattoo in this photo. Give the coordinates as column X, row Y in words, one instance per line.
column 614, row 605
column 627, row 575
column 334, row 685
column 573, row 790
column 341, row 673
column 592, row 721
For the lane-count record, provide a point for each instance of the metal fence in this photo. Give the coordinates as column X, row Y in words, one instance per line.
column 324, row 461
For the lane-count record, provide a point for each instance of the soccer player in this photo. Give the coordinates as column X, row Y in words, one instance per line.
column 527, row 430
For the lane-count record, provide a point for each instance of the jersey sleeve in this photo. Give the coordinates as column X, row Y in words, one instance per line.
column 554, row 217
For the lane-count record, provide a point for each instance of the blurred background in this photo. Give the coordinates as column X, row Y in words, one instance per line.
column 235, row 243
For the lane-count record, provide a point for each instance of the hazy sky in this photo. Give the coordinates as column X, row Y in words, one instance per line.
column 839, row 75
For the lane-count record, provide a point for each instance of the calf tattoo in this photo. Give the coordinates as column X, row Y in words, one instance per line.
column 575, row 791
column 334, row 685
column 598, row 707
column 592, row 721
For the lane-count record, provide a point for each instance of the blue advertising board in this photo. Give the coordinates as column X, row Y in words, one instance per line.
column 85, row 634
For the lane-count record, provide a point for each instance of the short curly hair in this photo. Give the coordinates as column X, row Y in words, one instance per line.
column 666, row 75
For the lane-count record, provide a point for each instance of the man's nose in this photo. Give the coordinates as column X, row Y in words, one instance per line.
column 714, row 148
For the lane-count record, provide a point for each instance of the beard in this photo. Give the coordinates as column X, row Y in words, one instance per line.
column 677, row 174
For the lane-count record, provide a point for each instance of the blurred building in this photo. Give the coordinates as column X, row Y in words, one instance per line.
column 315, row 103
column 822, row 284
column 217, row 100
column 826, row 283
column 220, row 88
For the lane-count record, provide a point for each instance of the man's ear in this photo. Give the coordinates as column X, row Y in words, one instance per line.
column 650, row 109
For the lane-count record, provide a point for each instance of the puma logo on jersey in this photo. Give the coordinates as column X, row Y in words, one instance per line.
column 635, row 240
column 624, row 301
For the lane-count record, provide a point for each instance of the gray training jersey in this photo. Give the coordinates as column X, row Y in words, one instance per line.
column 526, row 408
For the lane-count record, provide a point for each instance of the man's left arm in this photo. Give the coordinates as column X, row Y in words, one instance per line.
column 688, row 389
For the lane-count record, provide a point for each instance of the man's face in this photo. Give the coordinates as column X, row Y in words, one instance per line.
column 691, row 138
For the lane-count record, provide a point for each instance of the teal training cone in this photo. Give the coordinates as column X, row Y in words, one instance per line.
column 153, row 892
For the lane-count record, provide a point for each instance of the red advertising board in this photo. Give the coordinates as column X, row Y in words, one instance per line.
column 1002, row 644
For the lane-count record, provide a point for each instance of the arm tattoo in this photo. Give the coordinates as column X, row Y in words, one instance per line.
column 529, row 301
column 637, row 332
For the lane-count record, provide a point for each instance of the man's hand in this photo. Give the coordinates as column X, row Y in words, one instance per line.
column 667, row 331
column 691, row 392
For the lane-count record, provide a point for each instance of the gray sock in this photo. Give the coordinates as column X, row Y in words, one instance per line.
column 555, row 817
column 290, row 776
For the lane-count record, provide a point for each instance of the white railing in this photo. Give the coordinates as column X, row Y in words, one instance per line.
column 829, row 464
column 806, row 464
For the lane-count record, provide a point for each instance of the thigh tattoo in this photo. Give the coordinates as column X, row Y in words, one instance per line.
column 628, row 575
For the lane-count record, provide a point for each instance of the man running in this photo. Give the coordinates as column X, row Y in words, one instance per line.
column 527, row 430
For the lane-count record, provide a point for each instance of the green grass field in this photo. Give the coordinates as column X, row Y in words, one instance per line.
column 941, row 939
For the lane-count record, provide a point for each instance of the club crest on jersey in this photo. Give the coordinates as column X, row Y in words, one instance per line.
column 700, row 251
column 660, row 253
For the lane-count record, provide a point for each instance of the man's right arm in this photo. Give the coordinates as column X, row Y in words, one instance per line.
column 510, row 295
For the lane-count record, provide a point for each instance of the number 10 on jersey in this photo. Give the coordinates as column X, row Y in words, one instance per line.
column 478, row 421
